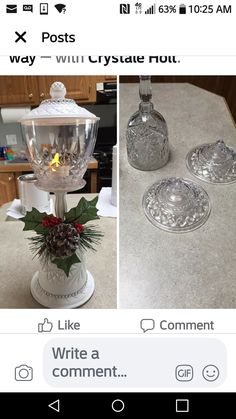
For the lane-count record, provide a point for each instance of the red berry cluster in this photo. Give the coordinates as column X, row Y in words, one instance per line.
column 51, row 221
column 79, row 227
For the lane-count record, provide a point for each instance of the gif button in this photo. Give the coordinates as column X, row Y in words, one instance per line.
column 184, row 372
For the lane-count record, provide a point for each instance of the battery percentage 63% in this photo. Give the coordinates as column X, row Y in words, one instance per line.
column 167, row 8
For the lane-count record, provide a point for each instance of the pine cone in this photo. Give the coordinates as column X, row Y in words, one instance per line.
column 62, row 240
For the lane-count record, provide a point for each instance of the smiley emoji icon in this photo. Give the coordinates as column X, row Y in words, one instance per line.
column 210, row 373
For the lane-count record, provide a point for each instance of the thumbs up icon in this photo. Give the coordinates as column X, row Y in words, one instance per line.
column 46, row 326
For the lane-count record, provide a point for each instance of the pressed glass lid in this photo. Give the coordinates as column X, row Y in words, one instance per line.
column 214, row 162
column 58, row 107
column 176, row 204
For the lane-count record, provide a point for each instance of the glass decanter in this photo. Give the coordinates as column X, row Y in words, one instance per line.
column 147, row 135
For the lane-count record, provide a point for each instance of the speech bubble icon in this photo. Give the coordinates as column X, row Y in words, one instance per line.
column 147, row 324
column 28, row 8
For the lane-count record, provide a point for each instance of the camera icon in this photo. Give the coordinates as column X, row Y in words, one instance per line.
column 23, row 373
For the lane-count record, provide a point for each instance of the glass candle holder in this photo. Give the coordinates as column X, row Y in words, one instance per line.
column 60, row 137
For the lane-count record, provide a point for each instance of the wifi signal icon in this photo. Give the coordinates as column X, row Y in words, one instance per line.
column 61, row 8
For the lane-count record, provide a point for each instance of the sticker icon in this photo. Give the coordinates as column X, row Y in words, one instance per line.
column 210, row 373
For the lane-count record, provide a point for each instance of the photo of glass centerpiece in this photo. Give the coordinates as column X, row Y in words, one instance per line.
column 61, row 137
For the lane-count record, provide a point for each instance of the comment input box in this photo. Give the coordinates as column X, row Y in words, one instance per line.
column 137, row 362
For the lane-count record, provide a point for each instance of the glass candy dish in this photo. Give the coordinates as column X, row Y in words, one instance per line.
column 176, row 204
column 213, row 163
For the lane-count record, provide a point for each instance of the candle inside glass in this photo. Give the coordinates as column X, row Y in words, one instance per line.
column 57, row 167
column 60, row 136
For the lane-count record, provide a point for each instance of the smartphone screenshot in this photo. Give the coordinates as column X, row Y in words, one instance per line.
column 117, row 208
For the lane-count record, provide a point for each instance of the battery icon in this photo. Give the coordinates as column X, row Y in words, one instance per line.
column 182, row 9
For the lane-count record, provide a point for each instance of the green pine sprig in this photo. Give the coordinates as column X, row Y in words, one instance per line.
column 89, row 237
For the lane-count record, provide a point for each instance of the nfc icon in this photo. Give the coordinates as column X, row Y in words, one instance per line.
column 184, row 373
column 125, row 9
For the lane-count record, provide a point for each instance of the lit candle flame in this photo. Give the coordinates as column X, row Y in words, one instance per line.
column 55, row 162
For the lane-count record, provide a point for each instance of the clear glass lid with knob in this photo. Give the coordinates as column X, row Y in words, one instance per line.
column 213, row 162
column 147, row 134
column 176, row 204
column 61, row 137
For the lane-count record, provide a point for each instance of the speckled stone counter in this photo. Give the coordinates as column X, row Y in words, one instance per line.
column 17, row 266
column 159, row 269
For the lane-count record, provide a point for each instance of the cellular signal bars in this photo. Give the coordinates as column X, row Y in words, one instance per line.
column 151, row 10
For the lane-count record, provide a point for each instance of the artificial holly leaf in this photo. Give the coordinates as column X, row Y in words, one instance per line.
column 84, row 212
column 33, row 221
column 65, row 263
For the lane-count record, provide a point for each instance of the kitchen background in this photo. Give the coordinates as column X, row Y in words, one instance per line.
column 95, row 93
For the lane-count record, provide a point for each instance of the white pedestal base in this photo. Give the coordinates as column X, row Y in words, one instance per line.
column 72, row 300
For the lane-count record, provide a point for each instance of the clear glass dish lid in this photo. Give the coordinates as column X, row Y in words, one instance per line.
column 213, row 163
column 176, row 204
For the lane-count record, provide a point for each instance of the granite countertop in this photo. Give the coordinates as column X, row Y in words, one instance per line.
column 17, row 266
column 159, row 269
